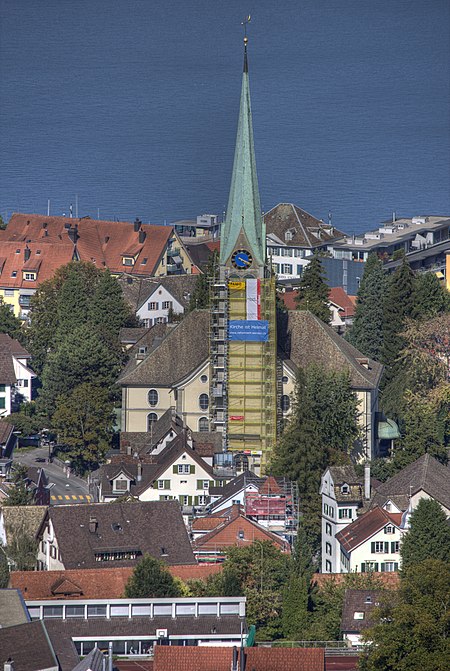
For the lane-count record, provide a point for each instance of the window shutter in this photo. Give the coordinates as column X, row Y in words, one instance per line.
column 161, row 497
column 372, row 547
column 383, row 567
column 181, row 498
column 386, row 546
column 166, row 484
column 395, row 566
column 192, row 469
column 392, row 547
column 376, row 566
column 363, row 568
column 155, row 484
column 189, row 500
column 199, row 484
column 195, row 500
column 211, row 483
column 175, row 469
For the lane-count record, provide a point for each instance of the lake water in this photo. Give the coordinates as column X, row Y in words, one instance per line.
column 132, row 106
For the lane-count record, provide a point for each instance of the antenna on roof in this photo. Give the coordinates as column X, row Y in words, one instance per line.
column 76, row 205
column 71, row 210
column 48, row 207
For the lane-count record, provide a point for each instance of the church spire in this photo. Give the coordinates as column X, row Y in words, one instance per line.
column 243, row 220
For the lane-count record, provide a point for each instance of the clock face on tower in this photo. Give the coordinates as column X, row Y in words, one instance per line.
column 241, row 259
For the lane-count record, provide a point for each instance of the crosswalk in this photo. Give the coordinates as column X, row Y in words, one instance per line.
column 71, row 498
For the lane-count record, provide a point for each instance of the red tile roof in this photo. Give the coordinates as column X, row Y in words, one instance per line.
column 108, row 583
column 177, row 658
column 365, row 527
column 288, row 298
column 339, row 297
column 59, row 239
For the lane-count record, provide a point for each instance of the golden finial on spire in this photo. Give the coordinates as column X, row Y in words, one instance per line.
column 244, row 23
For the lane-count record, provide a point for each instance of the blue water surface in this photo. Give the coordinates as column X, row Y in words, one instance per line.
column 131, row 106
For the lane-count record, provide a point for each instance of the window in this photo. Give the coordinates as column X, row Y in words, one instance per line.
column 2, row 388
column 389, row 529
column 328, row 566
column 9, row 292
column 121, row 485
column 160, row 484
column 328, row 549
column 127, row 261
column 376, row 547
column 30, row 276
column 151, row 418
column 285, row 403
column 153, row 305
column 328, row 529
column 74, row 611
column 14, row 273
column 203, row 401
column 153, row 397
column 119, row 611
column 395, row 547
column 167, row 305
column 345, row 489
column 185, row 609
column 286, row 268
column 183, row 468
column 207, row 609
column 96, row 611
column 358, row 615
column 204, row 378
column 203, row 424
column 345, row 513
column 53, row 611
column 52, row 552
column 389, row 567
column 205, row 484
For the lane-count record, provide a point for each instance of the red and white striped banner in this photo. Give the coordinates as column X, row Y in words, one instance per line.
column 253, row 299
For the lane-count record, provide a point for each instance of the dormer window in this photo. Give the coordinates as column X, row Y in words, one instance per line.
column 389, row 529
column 127, row 261
column 288, row 235
column 121, row 485
column 368, row 599
column 345, row 489
column 29, row 276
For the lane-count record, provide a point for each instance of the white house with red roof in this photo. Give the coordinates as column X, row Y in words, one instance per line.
column 371, row 542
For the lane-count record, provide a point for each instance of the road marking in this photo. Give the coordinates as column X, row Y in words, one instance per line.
column 74, row 497
column 67, row 498
column 80, row 497
column 53, row 498
column 60, row 497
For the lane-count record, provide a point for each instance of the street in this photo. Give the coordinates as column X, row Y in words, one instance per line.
column 66, row 489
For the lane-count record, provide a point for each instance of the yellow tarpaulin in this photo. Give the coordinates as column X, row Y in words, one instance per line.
column 237, row 286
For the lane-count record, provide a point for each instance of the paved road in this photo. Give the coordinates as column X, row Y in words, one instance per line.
column 66, row 489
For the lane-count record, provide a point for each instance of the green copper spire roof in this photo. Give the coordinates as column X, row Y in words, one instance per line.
column 244, row 208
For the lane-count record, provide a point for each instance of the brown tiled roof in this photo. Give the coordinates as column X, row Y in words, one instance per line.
column 102, row 583
column 8, row 344
column 7, row 374
column 209, row 658
column 51, row 256
column 130, row 336
column 206, row 523
column 339, row 297
column 230, row 531
column 200, row 252
column 269, row 486
column 306, row 230
column 307, row 340
column 28, row 645
column 137, row 525
column 102, row 242
column 6, row 429
column 359, row 601
column 365, row 527
column 189, row 339
column 426, row 473
column 207, row 443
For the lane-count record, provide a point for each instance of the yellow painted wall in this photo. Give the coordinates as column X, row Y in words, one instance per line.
column 12, row 300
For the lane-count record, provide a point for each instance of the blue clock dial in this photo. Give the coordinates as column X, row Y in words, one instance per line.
column 241, row 259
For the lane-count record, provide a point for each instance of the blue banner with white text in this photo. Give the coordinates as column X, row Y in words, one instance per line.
column 248, row 329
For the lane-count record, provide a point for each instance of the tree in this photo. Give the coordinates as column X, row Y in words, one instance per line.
column 313, row 291
column 410, row 631
column 431, row 297
column 366, row 333
column 423, row 433
column 201, row 293
column 4, row 568
column 108, row 311
column 9, row 323
column 297, row 591
column 84, row 420
column 19, row 494
column 398, row 305
column 22, row 548
column 428, row 536
column 151, row 579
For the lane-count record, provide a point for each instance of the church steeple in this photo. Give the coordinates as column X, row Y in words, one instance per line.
column 243, row 223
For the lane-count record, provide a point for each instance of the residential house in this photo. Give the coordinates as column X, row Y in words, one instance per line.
column 175, row 473
column 371, row 542
column 162, row 432
column 34, row 246
column 342, row 306
column 356, row 612
column 399, row 234
column 225, row 659
column 158, row 300
column 93, row 535
column 136, row 626
column 100, row 583
column 233, row 529
column 8, row 441
column 26, row 647
column 205, row 226
column 342, row 497
column 15, row 375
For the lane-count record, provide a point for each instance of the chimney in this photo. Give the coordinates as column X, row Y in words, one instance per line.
column 27, row 253
column 367, row 480
column 92, row 525
column 137, row 224
column 394, row 218
column 9, row 665
column 142, row 236
column 235, row 664
column 139, row 471
column 73, row 233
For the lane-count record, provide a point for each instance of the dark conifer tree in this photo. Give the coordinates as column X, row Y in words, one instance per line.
column 151, row 578
column 313, row 291
column 10, row 324
column 431, row 297
column 428, row 536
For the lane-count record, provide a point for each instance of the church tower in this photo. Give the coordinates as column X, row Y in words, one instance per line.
column 243, row 317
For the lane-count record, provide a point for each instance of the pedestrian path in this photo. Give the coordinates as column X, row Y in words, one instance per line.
column 71, row 498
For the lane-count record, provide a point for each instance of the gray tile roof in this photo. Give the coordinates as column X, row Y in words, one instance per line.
column 426, row 473
column 306, row 230
column 143, row 442
column 161, row 367
column 306, row 340
column 12, row 608
column 144, row 526
column 94, row 661
column 29, row 647
column 234, row 486
column 7, row 374
column 138, row 290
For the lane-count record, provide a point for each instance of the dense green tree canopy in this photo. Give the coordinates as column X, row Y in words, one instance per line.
column 428, row 536
column 151, row 578
column 19, row 494
column 313, row 291
column 201, row 294
column 10, row 324
column 411, row 632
